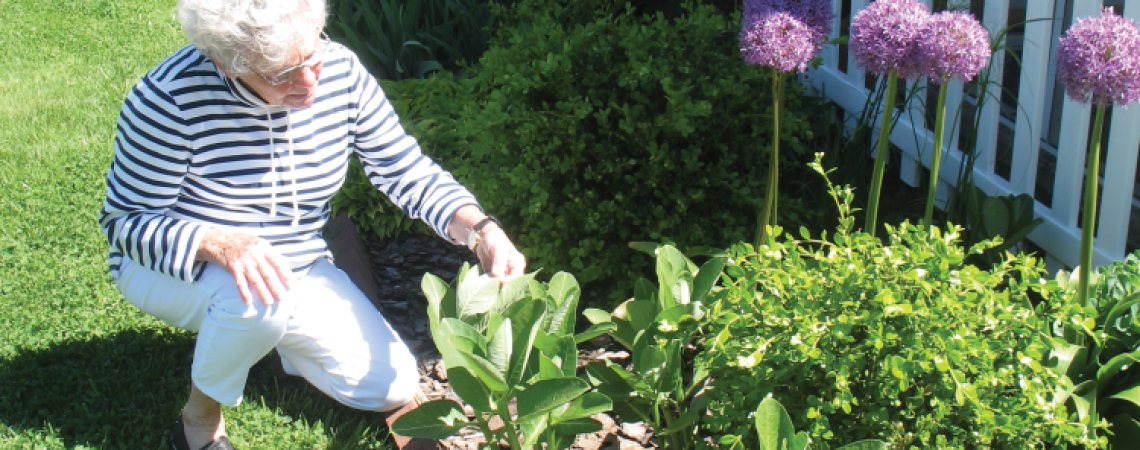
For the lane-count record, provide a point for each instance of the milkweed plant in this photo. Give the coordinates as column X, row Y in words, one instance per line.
column 784, row 35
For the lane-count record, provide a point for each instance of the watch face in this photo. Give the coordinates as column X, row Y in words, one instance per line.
column 472, row 239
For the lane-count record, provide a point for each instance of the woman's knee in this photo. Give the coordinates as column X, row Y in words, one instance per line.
column 387, row 385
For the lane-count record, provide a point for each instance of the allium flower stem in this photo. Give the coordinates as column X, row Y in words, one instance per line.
column 1088, row 217
column 936, row 157
column 768, row 213
column 881, row 152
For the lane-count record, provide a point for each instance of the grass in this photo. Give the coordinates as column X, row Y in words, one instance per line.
column 80, row 367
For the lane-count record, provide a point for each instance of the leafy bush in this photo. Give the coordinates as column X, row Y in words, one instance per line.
column 583, row 138
column 1097, row 346
column 899, row 341
column 398, row 39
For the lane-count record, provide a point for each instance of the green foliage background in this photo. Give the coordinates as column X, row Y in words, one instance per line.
column 587, row 126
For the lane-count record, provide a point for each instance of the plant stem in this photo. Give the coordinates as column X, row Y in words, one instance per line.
column 881, row 153
column 509, row 425
column 768, row 213
column 485, row 427
column 936, row 157
column 1088, row 217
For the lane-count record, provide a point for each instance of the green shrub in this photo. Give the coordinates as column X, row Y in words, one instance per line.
column 899, row 341
column 399, row 39
column 627, row 128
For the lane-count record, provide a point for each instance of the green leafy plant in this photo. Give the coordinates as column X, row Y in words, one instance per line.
column 1096, row 348
column 585, row 137
column 657, row 326
column 775, row 430
column 513, row 342
column 896, row 339
column 412, row 38
column 1005, row 218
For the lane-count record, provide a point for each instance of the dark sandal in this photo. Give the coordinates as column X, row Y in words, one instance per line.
column 178, row 439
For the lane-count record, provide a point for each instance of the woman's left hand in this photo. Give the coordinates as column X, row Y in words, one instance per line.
column 498, row 255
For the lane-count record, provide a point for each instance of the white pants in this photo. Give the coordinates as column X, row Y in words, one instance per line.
column 325, row 330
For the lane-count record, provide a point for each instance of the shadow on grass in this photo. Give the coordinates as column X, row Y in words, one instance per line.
column 125, row 390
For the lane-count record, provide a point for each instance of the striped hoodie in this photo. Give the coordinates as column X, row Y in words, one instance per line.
column 194, row 149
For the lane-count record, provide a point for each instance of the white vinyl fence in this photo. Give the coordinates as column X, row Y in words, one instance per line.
column 1034, row 142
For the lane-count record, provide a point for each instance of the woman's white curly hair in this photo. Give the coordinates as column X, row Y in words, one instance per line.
column 243, row 36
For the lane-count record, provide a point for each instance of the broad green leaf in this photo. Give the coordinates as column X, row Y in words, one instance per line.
column 671, row 371
column 596, row 316
column 547, row 369
column 867, row 444
column 576, row 426
column 773, row 425
column 585, row 406
column 707, row 277
column 499, row 349
column 634, row 409
column 564, row 290
column 435, row 290
column 533, row 428
column 476, row 295
column 1125, row 431
column 526, row 317
column 486, row 372
column 695, row 410
column 670, row 265
column 645, row 247
column 545, row 395
column 464, row 337
column 799, row 441
column 1084, row 398
column 595, row 331
column 1122, row 308
column 1131, row 394
column 644, row 290
column 1115, row 365
column 682, row 290
column 641, row 314
column 651, row 363
column 608, row 382
column 464, row 383
column 512, row 291
column 437, row 419
column 560, row 349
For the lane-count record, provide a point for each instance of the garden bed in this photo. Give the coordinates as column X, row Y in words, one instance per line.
column 398, row 266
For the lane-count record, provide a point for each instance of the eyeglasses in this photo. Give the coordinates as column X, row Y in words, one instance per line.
column 284, row 76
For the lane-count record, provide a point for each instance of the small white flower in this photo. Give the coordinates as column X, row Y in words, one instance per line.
column 1026, row 360
column 920, row 271
column 746, row 362
column 796, row 340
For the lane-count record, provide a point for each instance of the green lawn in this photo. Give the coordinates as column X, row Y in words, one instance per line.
column 80, row 367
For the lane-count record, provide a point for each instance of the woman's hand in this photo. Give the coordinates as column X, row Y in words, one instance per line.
column 252, row 261
column 496, row 252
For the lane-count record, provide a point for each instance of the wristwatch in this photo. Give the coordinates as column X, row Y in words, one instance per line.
column 473, row 234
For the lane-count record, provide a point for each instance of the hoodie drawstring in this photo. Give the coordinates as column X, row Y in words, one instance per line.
column 273, row 167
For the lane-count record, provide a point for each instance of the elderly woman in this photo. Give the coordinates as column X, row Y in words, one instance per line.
column 226, row 156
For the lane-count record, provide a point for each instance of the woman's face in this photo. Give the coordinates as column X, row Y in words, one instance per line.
column 298, row 84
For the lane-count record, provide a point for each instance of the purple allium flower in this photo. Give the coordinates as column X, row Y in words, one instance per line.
column 816, row 14
column 1098, row 59
column 883, row 36
column 784, row 34
column 954, row 45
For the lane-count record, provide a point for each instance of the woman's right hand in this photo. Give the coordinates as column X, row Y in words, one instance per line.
column 251, row 260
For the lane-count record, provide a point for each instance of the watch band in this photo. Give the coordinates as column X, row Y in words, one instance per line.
column 473, row 234
column 483, row 223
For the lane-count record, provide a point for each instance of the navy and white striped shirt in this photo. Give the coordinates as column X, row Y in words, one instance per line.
column 194, row 149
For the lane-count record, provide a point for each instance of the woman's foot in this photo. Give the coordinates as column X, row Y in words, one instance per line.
column 202, row 420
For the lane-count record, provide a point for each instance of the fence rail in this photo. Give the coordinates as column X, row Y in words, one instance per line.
column 1059, row 235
